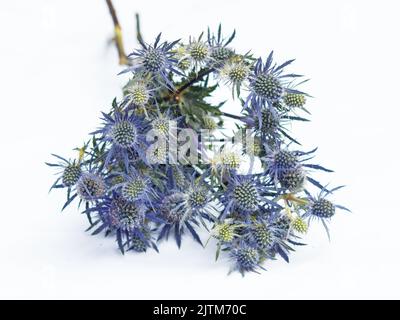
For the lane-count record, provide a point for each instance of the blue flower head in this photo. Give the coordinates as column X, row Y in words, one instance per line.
column 130, row 191
column 180, row 212
column 219, row 50
column 91, row 186
column 268, row 83
column 126, row 134
column 321, row 208
column 288, row 168
column 246, row 258
column 245, row 195
column 136, row 187
column 69, row 173
column 157, row 60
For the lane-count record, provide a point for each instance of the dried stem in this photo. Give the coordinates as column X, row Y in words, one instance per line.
column 123, row 59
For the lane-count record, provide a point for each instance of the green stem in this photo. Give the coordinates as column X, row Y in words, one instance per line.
column 225, row 114
column 198, row 77
column 138, row 32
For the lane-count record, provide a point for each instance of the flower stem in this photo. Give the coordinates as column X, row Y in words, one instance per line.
column 139, row 36
column 225, row 114
column 198, row 77
column 123, row 59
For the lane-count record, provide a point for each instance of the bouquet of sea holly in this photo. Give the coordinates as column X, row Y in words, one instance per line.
column 159, row 165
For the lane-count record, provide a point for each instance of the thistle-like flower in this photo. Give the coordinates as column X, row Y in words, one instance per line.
column 282, row 224
column 161, row 125
column 157, row 60
column 293, row 180
column 281, row 161
column 91, row 186
column 197, row 196
column 138, row 245
column 136, row 187
column 131, row 190
column 288, row 168
column 294, row 100
column 299, row 225
column 127, row 215
column 69, row 174
column 245, row 258
column 231, row 159
column 235, row 73
column 198, row 51
column 220, row 52
column 262, row 235
column 173, row 209
column 321, row 208
column 179, row 216
column 225, row 231
column 209, row 123
column 137, row 92
column 245, row 195
column 267, row 84
column 125, row 132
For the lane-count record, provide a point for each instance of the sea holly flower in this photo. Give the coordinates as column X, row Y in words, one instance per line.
column 125, row 133
column 137, row 92
column 127, row 215
column 91, row 186
column 293, row 180
column 282, row 224
column 272, row 126
column 220, row 52
column 245, row 195
column 156, row 59
column 127, row 221
column 254, row 198
column 246, row 258
column 288, row 167
column 198, row 52
column 299, row 225
column 262, row 235
column 138, row 244
column 280, row 161
column 179, row 216
column 133, row 189
column 197, row 197
column 224, row 161
column 294, row 100
column 136, row 187
column 234, row 72
column 69, row 174
column 226, row 231
column 322, row 209
column 177, row 178
column 231, row 159
column 209, row 123
column 182, row 56
column 268, row 83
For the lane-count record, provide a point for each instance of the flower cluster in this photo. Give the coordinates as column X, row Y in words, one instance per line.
column 139, row 192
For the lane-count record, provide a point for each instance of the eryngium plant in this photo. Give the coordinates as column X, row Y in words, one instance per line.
column 140, row 199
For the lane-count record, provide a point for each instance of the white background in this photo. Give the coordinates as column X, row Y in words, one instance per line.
column 57, row 73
